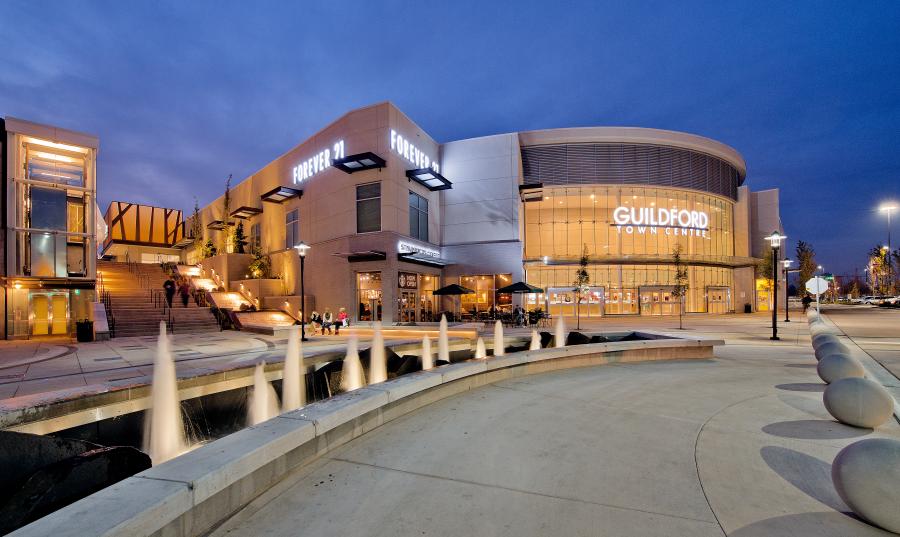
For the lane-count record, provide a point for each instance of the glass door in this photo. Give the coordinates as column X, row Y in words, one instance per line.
column 622, row 302
column 407, row 306
column 718, row 299
column 49, row 314
column 658, row 301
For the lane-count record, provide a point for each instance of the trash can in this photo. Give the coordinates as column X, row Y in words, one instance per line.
column 748, row 308
column 84, row 330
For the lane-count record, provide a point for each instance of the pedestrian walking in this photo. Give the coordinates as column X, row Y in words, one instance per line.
column 806, row 301
column 169, row 287
column 185, row 291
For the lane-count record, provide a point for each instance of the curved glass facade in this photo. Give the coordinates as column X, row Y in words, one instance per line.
column 630, row 234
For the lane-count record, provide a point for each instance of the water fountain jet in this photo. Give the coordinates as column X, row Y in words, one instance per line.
column 535, row 341
column 164, row 436
column 377, row 360
column 427, row 357
column 352, row 373
column 499, row 345
column 480, row 351
column 443, row 342
column 293, row 385
column 263, row 400
column 560, row 335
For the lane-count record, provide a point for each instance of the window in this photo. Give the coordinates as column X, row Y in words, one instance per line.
column 255, row 240
column 291, row 228
column 368, row 208
column 418, row 217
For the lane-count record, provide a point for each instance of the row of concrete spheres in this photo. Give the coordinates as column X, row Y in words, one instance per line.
column 866, row 474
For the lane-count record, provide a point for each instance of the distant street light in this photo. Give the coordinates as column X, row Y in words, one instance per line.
column 787, row 264
column 889, row 208
column 775, row 240
column 302, row 248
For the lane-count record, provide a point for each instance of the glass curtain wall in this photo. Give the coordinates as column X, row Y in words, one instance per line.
column 569, row 219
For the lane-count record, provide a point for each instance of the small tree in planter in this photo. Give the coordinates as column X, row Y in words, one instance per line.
column 240, row 240
column 681, row 283
column 582, row 281
column 261, row 266
column 209, row 249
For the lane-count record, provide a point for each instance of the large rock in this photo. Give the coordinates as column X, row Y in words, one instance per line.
column 577, row 338
column 831, row 347
column 837, row 366
column 819, row 339
column 22, row 454
column 61, row 483
column 866, row 475
column 858, row 402
column 546, row 339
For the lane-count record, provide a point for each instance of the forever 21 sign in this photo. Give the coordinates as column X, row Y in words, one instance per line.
column 408, row 280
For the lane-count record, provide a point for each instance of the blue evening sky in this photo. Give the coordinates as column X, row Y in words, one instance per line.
column 183, row 93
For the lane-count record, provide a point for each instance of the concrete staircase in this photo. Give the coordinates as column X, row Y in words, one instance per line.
column 135, row 313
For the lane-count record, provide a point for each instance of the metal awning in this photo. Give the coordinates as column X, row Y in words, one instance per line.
column 245, row 212
column 280, row 194
column 429, row 178
column 184, row 242
column 424, row 259
column 216, row 224
column 359, row 162
column 365, row 255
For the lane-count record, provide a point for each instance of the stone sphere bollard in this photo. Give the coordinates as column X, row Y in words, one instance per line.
column 858, row 402
column 865, row 475
column 819, row 339
column 819, row 328
column 837, row 366
column 831, row 347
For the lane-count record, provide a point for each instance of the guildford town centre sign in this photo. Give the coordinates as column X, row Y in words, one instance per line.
column 645, row 220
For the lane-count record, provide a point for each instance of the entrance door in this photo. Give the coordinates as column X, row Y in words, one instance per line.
column 407, row 306
column 718, row 299
column 622, row 302
column 658, row 301
column 50, row 314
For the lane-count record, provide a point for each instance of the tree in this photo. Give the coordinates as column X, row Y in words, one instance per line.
column 581, row 284
column 261, row 266
column 879, row 267
column 681, row 283
column 239, row 240
column 209, row 250
column 764, row 273
column 226, row 215
column 196, row 225
column 806, row 257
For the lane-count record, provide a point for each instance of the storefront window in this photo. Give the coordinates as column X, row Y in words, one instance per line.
column 418, row 217
column 292, row 228
column 368, row 208
column 369, row 293
column 428, row 303
column 485, row 299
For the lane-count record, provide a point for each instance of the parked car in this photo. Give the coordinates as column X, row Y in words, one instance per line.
column 870, row 299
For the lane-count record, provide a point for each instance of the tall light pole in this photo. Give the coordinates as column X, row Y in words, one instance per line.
column 302, row 248
column 889, row 208
column 775, row 240
column 787, row 264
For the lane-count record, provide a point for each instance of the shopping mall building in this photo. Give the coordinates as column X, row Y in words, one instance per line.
column 391, row 215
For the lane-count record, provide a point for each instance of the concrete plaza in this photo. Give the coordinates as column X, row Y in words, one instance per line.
column 740, row 445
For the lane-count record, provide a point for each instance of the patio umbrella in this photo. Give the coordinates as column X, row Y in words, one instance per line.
column 454, row 290
column 520, row 288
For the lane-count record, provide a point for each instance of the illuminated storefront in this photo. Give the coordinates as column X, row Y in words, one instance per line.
column 50, row 231
column 392, row 215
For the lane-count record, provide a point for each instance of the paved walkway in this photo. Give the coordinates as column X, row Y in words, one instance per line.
column 875, row 330
column 740, row 445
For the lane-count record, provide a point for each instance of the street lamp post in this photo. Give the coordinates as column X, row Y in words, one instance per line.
column 302, row 248
column 889, row 208
column 775, row 240
column 787, row 264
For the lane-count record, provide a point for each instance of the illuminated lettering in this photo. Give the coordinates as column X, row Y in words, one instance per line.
column 416, row 156
column 318, row 162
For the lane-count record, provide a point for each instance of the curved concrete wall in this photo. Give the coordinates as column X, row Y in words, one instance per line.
column 190, row 494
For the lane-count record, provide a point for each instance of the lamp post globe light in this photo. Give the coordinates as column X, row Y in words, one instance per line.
column 302, row 249
column 787, row 264
column 775, row 240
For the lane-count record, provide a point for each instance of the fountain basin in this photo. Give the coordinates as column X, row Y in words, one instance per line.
column 191, row 493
